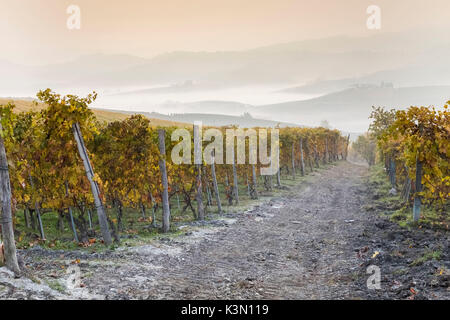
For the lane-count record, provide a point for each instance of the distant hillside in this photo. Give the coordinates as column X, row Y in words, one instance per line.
column 280, row 64
column 209, row 107
column 219, row 120
column 245, row 121
column 176, row 120
column 101, row 114
column 430, row 75
column 350, row 108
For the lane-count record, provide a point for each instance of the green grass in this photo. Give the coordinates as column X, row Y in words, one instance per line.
column 429, row 255
column 56, row 285
column 430, row 218
column 396, row 209
column 380, row 187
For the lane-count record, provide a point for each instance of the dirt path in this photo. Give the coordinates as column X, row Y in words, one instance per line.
column 288, row 249
column 298, row 247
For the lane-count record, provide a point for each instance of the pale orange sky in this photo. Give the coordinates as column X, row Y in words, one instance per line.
column 34, row 31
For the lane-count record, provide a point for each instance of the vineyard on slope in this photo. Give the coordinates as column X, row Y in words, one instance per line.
column 64, row 165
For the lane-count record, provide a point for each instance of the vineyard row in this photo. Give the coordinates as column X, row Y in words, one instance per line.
column 63, row 160
column 414, row 146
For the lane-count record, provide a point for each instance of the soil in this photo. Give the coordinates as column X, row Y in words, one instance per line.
column 315, row 243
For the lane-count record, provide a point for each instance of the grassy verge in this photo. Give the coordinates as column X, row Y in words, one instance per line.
column 398, row 210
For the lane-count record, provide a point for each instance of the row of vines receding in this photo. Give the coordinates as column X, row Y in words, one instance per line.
column 66, row 165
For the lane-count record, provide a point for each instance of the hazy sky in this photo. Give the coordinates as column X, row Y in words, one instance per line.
column 35, row 32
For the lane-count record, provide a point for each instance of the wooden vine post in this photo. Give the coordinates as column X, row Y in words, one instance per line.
column 279, row 166
column 198, row 157
column 25, row 215
column 38, row 212
column 165, row 183
column 235, row 180
column 6, row 211
column 214, row 178
column 418, row 185
column 316, row 156
column 254, row 183
column 418, row 198
column 72, row 223
column 142, row 210
column 90, row 218
column 154, row 207
column 392, row 171
column 94, row 187
column 302, row 160
column 407, row 186
column 293, row 160
column 207, row 186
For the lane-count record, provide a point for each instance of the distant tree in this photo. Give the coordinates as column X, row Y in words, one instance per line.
column 365, row 145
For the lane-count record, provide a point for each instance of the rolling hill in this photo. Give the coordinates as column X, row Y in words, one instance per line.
column 27, row 104
column 287, row 64
column 218, row 120
column 351, row 108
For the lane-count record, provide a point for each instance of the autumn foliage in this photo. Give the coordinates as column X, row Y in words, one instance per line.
column 412, row 137
column 47, row 172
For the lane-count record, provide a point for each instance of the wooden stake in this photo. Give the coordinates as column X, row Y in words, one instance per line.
column 198, row 152
column 214, row 177
column 94, row 187
column 74, row 230
column 417, row 198
column 165, row 184
column 9, row 244
column 302, row 160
